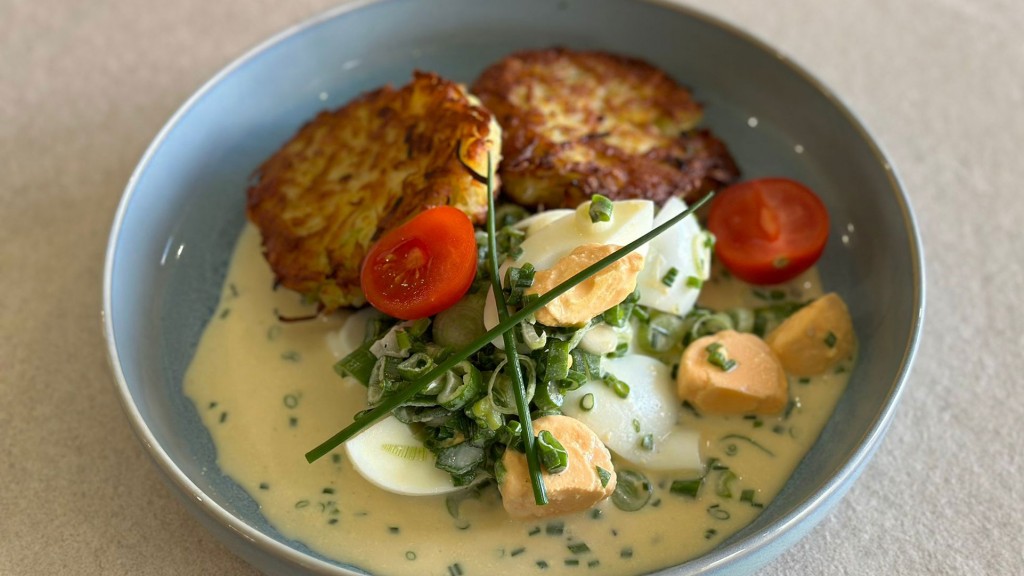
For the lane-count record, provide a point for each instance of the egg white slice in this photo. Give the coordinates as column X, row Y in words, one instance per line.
column 650, row 407
column 390, row 456
column 684, row 247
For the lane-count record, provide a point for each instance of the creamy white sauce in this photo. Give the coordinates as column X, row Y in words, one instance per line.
column 267, row 393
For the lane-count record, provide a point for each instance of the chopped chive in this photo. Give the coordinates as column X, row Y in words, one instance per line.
column 223, row 417
column 540, row 496
column 571, row 562
column 604, row 475
column 749, row 440
column 328, row 490
column 709, row 533
column 368, row 417
column 393, row 529
column 621, row 349
column 718, row 513
column 593, row 563
column 264, row 486
column 534, row 531
column 626, row 553
column 293, row 422
column 587, row 402
column 332, row 521
column 579, row 548
column 410, row 555
column 620, row 388
column 455, row 570
column 225, row 313
column 554, row 528
column 670, row 277
column 600, row 209
column 694, row 282
column 302, row 504
column 542, row 564
column 636, row 425
column 748, row 497
column 597, row 513
column 517, row 551
column 687, row 487
column 647, row 442
column 830, row 339
column 641, row 313
column 718, row 356
column 291, row 356
column 291, row 400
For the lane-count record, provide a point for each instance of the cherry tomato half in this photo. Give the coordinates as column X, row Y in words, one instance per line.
column 423, row 266
column 768, row 230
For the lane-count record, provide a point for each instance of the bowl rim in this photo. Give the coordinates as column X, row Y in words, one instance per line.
column 832, row 489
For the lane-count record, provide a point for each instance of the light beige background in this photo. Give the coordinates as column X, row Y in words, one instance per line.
column 84, row 86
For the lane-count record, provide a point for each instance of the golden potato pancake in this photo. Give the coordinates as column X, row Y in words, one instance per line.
column 582, row 123
column 353, row 173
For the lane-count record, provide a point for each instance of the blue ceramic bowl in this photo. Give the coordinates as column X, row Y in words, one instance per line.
column 184, row 207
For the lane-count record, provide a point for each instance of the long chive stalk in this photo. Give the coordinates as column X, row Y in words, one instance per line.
column 366, row 419
column 540, row 495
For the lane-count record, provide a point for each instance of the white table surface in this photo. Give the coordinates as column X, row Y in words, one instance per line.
column 84, row 86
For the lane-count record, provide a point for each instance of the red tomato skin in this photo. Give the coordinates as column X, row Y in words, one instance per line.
column 423, row 266
column 768, row 230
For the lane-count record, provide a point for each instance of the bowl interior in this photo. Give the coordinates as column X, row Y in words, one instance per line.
column 184, row 207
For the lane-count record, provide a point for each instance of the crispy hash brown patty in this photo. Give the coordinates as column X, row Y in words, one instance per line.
column 351, row 174
column 577, row 124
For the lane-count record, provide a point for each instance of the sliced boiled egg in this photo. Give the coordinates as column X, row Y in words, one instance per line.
column 350, row 336
column 391, row 457
column 684, row 248
column 651, row 408
column 549, row 238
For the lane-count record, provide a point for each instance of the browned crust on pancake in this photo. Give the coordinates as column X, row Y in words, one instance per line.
column 580, row 123
column 353, row 173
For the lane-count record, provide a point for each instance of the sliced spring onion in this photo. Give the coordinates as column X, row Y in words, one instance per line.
column 719, row 356
column 457, row 326
column 600, row 209
column 552, row 454
column 670, row 277
column 368, row 417
column 462, row 383
column 533, row 337
column 661, row 333
column 485, row 415
column 548, row 397
column 632, row 491
column 723, row 488
column 742, row 319
column 557, row 360
column 620, row 388
column 415, row 366
column 461, row 461
column 358, row 364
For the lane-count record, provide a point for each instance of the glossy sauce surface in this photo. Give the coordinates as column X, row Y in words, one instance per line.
column 267, row 392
